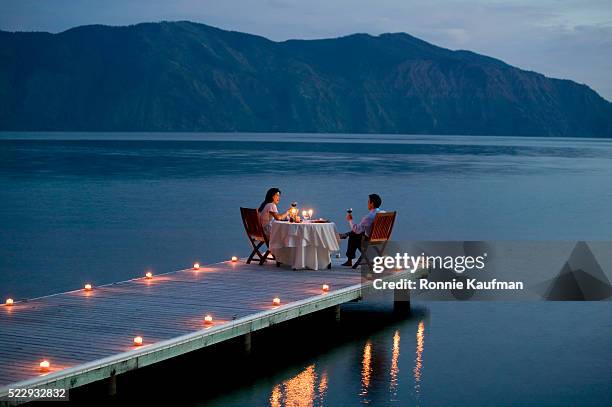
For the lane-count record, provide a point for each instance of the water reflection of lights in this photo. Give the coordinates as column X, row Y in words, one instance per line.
column 394, row 363
column 322, row 387
column 275, row 397
column 366, row 368
column 303, row 389
column 418, row 365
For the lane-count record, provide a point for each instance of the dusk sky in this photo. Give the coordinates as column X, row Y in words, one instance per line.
column 570, row 39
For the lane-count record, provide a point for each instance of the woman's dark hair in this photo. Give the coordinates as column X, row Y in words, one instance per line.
column 269, row 197
column 376, row 200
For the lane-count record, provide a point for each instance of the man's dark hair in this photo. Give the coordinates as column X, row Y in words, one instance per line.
column 376, row 200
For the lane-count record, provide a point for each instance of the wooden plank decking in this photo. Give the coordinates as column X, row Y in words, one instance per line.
column 88, row 336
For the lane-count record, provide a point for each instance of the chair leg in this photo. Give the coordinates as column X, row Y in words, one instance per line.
column 255, row 251
column 264, row 257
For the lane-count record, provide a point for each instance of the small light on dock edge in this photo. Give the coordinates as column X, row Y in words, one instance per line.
column 44, row 366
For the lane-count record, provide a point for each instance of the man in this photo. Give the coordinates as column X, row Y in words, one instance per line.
column 361, row 229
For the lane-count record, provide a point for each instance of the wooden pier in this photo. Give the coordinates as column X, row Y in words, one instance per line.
column 88, row 336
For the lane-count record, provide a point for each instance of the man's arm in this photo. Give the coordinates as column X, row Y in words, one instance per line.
column 362, row 226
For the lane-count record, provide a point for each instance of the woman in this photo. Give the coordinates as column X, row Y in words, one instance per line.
column 268, row 212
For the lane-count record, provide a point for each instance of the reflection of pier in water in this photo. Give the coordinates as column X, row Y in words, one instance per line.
column 418, row 365
column 307, row 388
column 371, row 359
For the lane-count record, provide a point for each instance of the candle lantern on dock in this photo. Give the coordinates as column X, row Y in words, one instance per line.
column 293, row 212
column 44, row 366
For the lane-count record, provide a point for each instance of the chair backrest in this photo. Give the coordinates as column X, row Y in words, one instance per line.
column 382, row 227
column 252, row 225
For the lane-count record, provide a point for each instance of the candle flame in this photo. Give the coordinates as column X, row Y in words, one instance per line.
column 44, row 366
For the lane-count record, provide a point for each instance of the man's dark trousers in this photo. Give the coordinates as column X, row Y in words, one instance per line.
column 354, row 243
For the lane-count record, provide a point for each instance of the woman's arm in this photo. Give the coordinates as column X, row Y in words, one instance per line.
column 278, row 216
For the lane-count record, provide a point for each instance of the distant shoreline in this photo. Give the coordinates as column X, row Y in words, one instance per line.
column 361, row 138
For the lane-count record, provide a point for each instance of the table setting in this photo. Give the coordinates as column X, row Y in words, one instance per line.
column 304, row 242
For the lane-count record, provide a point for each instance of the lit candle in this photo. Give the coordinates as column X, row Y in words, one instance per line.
column 196, row 266
column 234, row 259
column 9, row 302
column 325, row 288
column 45, row 366
column 138, row 341
column 87, row 287
column 208, row 320
column 276, row 301
column 149, row 275
column 304, row 214
column 310, row 212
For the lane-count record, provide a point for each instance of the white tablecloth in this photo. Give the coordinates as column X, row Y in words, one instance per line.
column 304, row 245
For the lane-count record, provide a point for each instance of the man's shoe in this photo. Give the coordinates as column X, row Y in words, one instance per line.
column 344, row 235
column 348, row 263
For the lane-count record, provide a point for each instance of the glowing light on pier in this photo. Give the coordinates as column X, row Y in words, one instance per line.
column 234, row 259
column 87, row 287
column 208, row 320
column 44, row 366
column 138, row 341
column 276, row 301
column 148, row 275
column 325, row 288
column 196, row 266
column 9, row 302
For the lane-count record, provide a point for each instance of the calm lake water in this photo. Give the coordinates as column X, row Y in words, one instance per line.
column 102, row 210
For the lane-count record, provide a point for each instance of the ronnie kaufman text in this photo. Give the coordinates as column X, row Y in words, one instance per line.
column 469, row 284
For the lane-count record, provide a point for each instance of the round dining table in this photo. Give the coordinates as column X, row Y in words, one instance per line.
column 304, row 245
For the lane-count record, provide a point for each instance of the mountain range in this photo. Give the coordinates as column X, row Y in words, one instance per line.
column 184, row 76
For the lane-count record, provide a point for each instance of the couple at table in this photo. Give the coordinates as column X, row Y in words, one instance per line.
column 268, row 213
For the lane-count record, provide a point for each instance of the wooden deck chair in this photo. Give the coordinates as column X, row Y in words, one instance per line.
column 256, row 235
column 379, row 237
